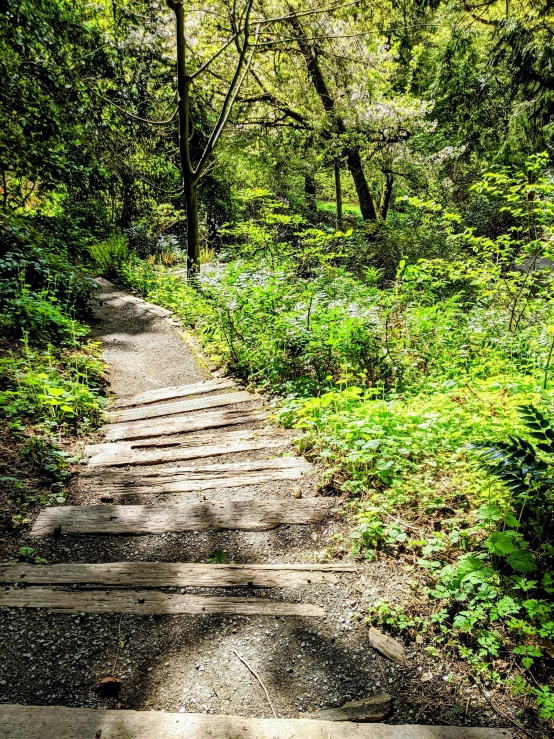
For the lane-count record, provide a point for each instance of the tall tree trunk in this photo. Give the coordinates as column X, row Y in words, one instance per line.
column 367, row 206
column 310, row 192
column 190, row 179
column 127, row 204
column 338, row 195
column 386, row 196
column 193, row 236
column 353, row 158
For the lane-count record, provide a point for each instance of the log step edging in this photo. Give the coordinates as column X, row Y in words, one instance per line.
column 240, row 515
column 57, row 722
column 179, row 407
column 153, row 428
column 148, row 602
column 175, row 391
column 169, row 574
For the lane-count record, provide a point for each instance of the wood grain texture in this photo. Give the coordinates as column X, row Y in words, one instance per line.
column 186, row 424
column 216, row 468
column 176, row 391
column 152, row 480
column 150, row 602
column 203, row 438
column 244, row 515
column 119, row 456
column 181, row 406
column 388, row 646
column 56, row 722
column 169, row 574
column 365, row 710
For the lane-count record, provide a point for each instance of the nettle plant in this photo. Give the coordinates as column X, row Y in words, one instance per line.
column 505, row 269
column 270, row 231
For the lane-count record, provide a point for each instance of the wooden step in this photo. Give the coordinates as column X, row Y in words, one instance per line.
column 57, row 722
column 176, row 391
column 214, row 444
column 181, row 406
column 190, row 479
column 147, row 602
column 168, row 574
column 244, row 515
column 186, row 424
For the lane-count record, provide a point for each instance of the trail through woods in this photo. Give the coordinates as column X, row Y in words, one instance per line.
column 221, row 590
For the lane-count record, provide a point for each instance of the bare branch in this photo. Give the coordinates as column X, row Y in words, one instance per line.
column 232, row 92
column 213, row 58
column 132, row 115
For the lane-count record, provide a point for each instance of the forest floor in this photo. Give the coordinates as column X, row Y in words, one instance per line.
column 188, row 663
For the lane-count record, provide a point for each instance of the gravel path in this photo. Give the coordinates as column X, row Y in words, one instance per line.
column 143, row 351
column 187, row 663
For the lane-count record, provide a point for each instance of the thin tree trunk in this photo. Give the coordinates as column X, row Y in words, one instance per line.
column 367, row 206
column 190, row 180
column 310, row 192
column 386, row 196
column 127, row 206
column 338, row 193
column 193, row 237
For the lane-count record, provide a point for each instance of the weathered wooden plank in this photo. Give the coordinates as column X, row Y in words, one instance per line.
column 298, row 464
column 244, row 515
column 388, row 646
column 365, row 710
column 180, row 406
column 176, row 391
column 56, row 722
column 169, row 574
column 147, row 602
column 182, row 440
column 118, row 456
column 185, row 440
column 185, row 424
column 189, row 479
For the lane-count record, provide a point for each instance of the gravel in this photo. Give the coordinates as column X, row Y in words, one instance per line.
column 186, row 663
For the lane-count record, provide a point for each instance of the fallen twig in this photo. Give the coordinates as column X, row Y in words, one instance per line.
column 499, row 712
column 118, row 644
column 244, row 662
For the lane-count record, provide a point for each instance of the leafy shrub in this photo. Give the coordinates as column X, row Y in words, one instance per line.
column 109, row 255
column 141, row 240
column 41, row 292
column 50, row 389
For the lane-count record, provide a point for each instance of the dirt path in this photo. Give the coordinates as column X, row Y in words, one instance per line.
column 143, row 351
column 188, row 663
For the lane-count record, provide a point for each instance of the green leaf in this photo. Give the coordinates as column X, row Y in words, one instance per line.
column 489, row 512
column 522, row 561
column 511, row 520
column 502, row 542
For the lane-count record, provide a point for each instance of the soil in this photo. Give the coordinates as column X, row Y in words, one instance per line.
column 187, row 663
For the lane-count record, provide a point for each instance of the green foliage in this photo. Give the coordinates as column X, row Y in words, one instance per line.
column 109, row 255
column 217, row 557
column 41, row 291
column 396, row 385
column 45, row 112
column 51, row 389
column 26, row 554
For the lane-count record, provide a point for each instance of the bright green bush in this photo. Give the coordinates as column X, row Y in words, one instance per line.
column 392, row 381
column 109, row 255
column 42, row 294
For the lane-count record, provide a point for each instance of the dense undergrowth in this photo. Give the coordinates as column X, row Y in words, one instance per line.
column 428, row 397
column 50, row 370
